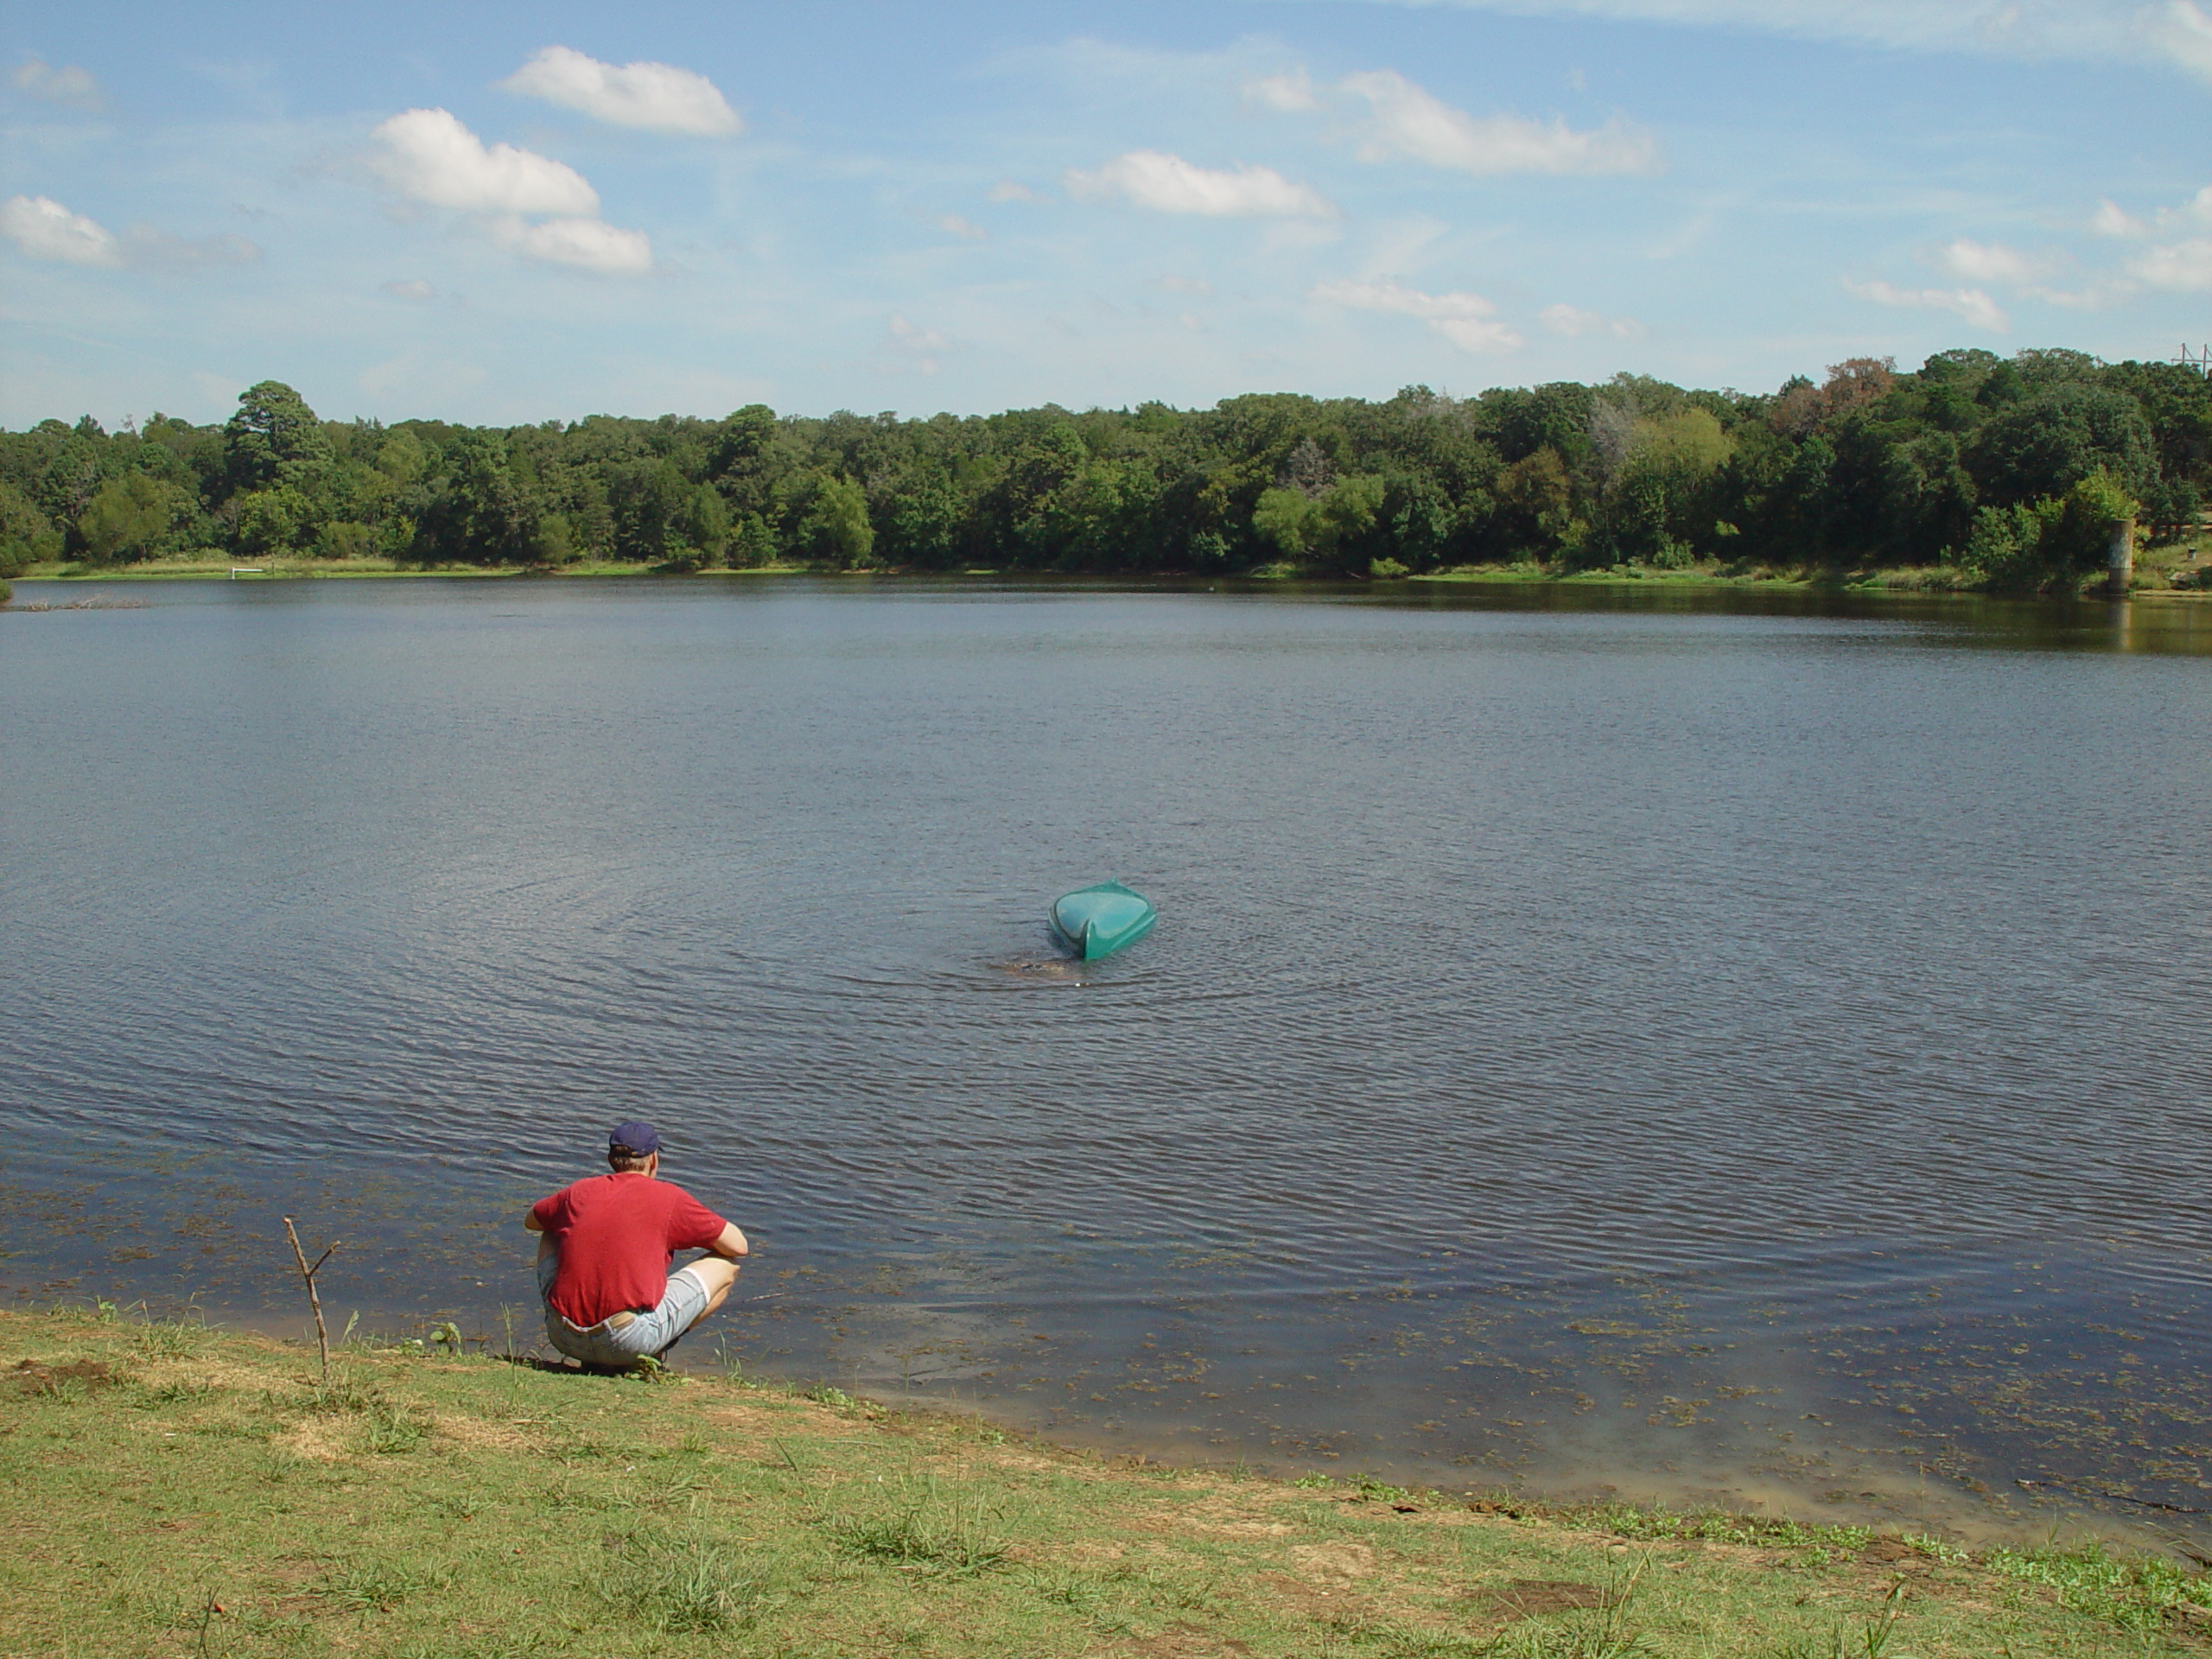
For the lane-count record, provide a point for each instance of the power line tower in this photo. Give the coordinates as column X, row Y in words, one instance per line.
column 2199, row 359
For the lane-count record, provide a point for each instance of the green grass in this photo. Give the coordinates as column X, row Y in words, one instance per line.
column 2155, row 572
column 179, row 1493
column 209, row 566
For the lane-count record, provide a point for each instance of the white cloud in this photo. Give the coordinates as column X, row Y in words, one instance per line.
column 430, row 156
column 2182, row 263
column 1405, row 120
column 44, row 229
column 71, row 84
column 2112, row 220
column 906, row 348
column 413, row 288
column 967, row 230
column 427, row 156
column 1485, row 338
column 1466, row 320
column 1992, row 262
column 585, row 244
column 1976, row 307
column 1567, row 320
column 657, row 97
column 1168, row 184
column 1404, row 302
column 2183, row 34
column 2175, row 33
column 2183, row 267
column 1294, row 93
column 1007, row 190
column 1197, row 285
column 2097, row 296
column 2197, row 210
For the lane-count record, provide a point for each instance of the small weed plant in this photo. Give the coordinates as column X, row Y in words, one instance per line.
column 385, row 1426
column 178, row 1338
column 376, row 1586
column 690, row 1585
column 1870, row 1641
column 932, row 1533
column 1714, row 1526
column 1381, row 1491
column 1601, row 1633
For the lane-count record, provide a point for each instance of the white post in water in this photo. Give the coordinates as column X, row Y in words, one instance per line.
column 2120, row 557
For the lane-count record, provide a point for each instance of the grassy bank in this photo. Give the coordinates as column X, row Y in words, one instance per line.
column 175, row 1491
column 219, row 568
column 2178, row 570
column 2182, row 568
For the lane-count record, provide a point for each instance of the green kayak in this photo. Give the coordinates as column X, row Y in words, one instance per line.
column 1097, row 921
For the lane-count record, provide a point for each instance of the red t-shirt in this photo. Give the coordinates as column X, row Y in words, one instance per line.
column 618, row 1232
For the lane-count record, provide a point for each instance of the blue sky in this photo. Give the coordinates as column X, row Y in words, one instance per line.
column 499, row 212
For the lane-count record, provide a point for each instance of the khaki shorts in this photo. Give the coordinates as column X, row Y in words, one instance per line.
column 619, row 1341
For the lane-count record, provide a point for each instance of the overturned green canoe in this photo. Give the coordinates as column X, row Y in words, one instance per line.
column 1097, row 921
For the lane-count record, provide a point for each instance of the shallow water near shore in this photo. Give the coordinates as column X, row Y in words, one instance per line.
column 1717, row 1046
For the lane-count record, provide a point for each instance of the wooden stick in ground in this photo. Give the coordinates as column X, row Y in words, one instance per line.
column 307, row 1274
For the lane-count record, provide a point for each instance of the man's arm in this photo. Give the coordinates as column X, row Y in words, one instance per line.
column 529, row 1221
column 731, row 1244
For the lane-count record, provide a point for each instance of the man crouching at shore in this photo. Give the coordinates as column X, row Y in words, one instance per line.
column 602, row 1261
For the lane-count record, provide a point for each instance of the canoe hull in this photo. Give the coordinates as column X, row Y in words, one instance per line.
column 1097, row 921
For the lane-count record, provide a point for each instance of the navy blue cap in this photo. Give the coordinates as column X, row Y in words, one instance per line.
column 634, row 1138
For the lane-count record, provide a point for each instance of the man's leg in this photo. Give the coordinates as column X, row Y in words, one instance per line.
column 718, row 1276
column 695, row 1290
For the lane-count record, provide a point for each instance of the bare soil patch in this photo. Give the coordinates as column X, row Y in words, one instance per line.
column 33, row 1377
column 1534, row 1598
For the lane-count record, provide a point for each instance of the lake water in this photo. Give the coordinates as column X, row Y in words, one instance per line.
column 1709, row 1046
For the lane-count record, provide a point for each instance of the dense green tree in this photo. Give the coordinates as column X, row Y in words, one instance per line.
column 835, row 529
column 2030, row 546
column 273, row 436
column 135, row 517
column 26, row 536
column 2046, row 443
column 1993, row 462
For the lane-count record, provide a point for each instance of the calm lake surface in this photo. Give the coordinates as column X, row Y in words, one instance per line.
column 1713, row 1046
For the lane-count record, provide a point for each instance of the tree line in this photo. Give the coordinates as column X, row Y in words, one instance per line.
column 2011, row 468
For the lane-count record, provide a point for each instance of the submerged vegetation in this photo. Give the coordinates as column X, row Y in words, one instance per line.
column 1972, row 471
column 181, row 1492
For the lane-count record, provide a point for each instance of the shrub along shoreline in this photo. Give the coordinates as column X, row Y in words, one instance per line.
column 2013, row 475
column 2176, row 570
column 182, row 1491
